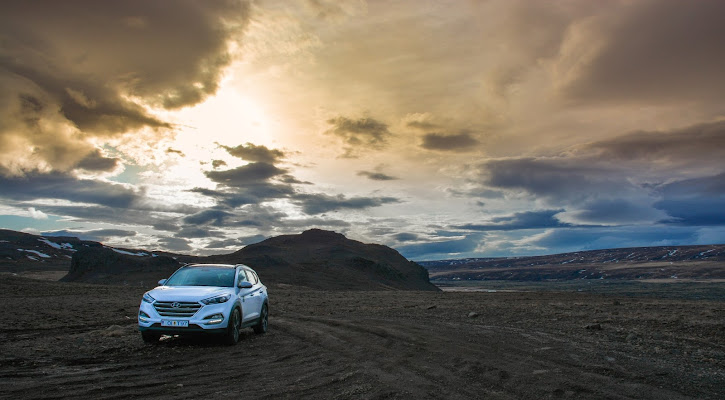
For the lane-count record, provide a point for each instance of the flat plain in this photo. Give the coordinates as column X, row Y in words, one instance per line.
column 73, row 340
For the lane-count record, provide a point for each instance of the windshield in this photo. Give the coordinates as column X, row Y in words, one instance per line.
column 202, row 276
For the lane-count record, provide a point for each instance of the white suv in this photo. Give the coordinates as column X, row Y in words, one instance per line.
column 205, row 298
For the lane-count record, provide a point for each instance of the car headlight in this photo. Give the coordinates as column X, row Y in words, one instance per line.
column 217, row 299
column 147, row 298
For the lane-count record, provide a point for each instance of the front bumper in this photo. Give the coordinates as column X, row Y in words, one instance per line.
column 150, row 320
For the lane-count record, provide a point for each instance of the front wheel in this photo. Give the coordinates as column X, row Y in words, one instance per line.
column 235, row 323
column 261, row 326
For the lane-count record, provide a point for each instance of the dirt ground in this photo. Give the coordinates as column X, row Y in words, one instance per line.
column 65, row 340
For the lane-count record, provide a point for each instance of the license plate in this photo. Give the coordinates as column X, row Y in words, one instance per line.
column 181, row 324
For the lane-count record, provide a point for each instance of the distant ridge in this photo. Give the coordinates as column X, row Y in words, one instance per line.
column 662, row 262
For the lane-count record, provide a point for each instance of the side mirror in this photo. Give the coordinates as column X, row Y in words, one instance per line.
column 244, row 285
column 161, row 282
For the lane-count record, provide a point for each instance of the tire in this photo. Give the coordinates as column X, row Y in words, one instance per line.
column 150, row 337
column 263, row 323
column 234, row 327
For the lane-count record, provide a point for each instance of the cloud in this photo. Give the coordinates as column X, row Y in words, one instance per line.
column 654, row 51
column 697, row 201
column 520, row 220
column 695, row 145
column 215, row 217
column 255, row 154
column 576, row 239
column 613, row 212
column 56, row 185
column 250, row 194
column 440, row 249
column 175, row 244
column 197, row 232
column 359, row 134
column 568, row 180
column 95, row 161
column 322, row 203
column 37, row 214
column 406, row 237
column 420, row 121
column 376, row 176
column 218, row 163
column 73, row 72
column 447, row 142
column 253, row 173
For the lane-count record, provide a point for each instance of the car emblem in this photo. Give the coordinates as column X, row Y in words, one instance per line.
column 176, row 304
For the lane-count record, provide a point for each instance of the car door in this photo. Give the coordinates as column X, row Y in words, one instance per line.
column 251, row 298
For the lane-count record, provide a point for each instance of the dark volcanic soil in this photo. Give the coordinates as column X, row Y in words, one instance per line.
column 68, row 340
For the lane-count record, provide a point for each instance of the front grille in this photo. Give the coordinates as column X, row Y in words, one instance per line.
column 181, row 309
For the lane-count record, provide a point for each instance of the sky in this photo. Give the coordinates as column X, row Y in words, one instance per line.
column 444, row 129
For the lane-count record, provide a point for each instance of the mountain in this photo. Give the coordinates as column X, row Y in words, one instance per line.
column 328, row 260
column 665, row 262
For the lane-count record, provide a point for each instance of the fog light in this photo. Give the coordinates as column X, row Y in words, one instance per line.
column 214, row 319
column 143, row 317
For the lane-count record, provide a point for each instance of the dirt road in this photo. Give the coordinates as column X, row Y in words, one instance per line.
column 79, row 341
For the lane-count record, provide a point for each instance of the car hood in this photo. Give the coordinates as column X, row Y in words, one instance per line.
column 187, row 293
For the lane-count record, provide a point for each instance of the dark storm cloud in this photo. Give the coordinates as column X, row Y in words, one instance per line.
column 253, row 173
column 657, row 50
column 97, row 235
column 255, row 154
column 359, row 133
column 95, row 66
column 698, row 202
column 56, row 185
column 520, row 220
column 376, row 176
column 696, row 144
column 442, row 249
column 320, row 203
column 447, row 142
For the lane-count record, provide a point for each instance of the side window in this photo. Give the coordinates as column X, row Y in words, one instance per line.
column 253, row 277
column 242, row 277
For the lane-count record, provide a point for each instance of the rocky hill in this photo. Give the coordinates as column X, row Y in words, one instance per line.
column 328, row 260
column 666, row 262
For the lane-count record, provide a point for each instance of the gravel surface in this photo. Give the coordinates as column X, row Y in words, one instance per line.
column 66, row 340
